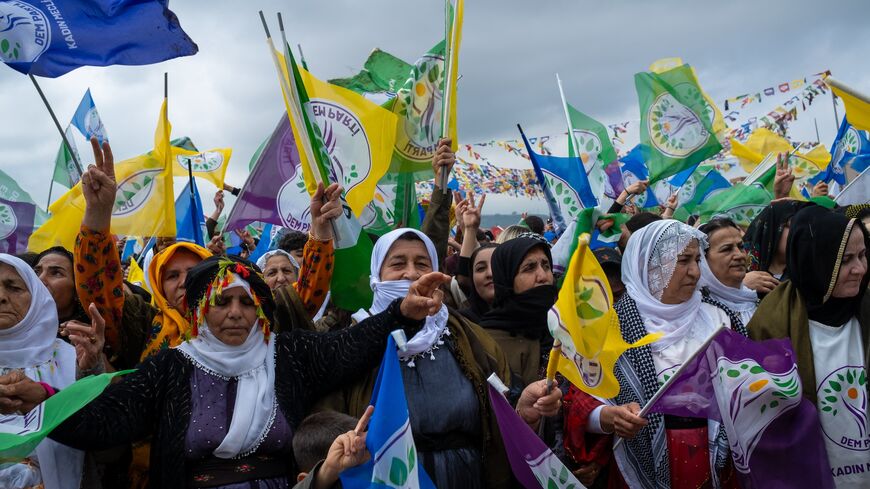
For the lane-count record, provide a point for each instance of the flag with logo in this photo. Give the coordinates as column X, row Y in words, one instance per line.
column 850, row 151
column 19, row 435
column 334, row 143
column 804, row 167
column 136, row 276
column 676, row 131
column 754, row 390
column 66, row 172
column 633, row 168
column 210, row 165
column 590, row 142
column 857, row 104
column 704, row 183
column 664, row 68
column 394, row 461
column 16, row 225
column 740, row 203
column 565, row 185
column 533, row 464
column 53, row 38
column 587, row 329
column 87, row 119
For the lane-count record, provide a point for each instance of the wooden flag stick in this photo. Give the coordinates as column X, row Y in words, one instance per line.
column 57, row 125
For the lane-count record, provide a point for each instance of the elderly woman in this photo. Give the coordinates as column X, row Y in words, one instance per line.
column 458, row 442
column 222, row 407
column 724, row 268
column 524, row 292
column 279, row 268
column 661, row 272
column 824, row 310
column 29, row 346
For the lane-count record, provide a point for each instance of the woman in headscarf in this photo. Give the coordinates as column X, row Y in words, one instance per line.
column 29, row 343
column 765, row 242
column 456, row 435
column 661, row 269
column 481, row 292
column 54, row 267
column 824, row 310
column 523, row 280
column 223, row 405
column 724, row 268
column 279, row 268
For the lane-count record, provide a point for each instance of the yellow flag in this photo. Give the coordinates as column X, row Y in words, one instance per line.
column 718, row 122
column 210, row 165
column 456, row 12
column 588, row 327
column 62, row 227
column 857, row 104
column 357, row 134
column 135, row 275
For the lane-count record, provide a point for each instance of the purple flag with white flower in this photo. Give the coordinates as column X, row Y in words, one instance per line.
column 16, row 225
column 275, row 191
column 533, row 464
column 754, row 390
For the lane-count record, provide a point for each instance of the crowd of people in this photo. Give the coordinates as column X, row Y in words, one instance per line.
column 248, row 376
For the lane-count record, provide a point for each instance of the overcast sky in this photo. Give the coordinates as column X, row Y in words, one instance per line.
column 227, row 94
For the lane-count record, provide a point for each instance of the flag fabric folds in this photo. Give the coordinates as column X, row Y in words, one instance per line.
column 53, row 38
column 453, row 37
column 210, row 165
column 857, row 104
column 676, row 122
column 66, row 172
column 534, row 465
column 590, row 142
column 701, row 185
column 857, row 192
column 754, row 390
column 189, row 220
column 87, row 119
column 19, row 435
column 587, row 327
column 740, row 203
column 394, row 461
column 16, row 225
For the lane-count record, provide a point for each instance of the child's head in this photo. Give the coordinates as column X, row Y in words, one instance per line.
column 315, row 435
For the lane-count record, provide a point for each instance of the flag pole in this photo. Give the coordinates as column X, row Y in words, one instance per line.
column 57, row 124
column 302, row 57
column 50, row 187
column 449, row 34
column 571, row 141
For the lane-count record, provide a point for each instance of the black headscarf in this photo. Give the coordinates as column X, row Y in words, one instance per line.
column 79, row 313
column 200, row 278
column 524, row 313
column 477, row 307
column 762, row 236
column 816, row 244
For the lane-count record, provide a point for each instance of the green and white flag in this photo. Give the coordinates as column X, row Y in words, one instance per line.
column 591, row 143
column 10, row 190
column 66, row 173
column 675, row 122
column 19, row 435
column 380, row 79
column 741, row 203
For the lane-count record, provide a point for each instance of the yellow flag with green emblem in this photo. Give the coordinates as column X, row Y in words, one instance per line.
column 587, row 331
column 210, row 165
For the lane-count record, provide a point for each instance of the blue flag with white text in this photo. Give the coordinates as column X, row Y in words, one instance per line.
column 87, row 119
column 51, row 38
column 850, row 155
column 394, row 461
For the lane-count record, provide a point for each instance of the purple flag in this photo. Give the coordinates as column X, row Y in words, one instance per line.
column 16, row 225
column 275, row 190
column 754, row 389
column 532, row 463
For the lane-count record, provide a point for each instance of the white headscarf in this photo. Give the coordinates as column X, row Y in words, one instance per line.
column 32, row 346
column 647, row 267
column 742, row 301
column 389, row 290
column 261, row 262
column 253, row 364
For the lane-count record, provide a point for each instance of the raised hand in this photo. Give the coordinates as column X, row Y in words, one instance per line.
column 326, row 205
column 347, row 451
column 99, row 188
column 87, row 339
column 637, row 187
column 424, row 297
column 219, row 202
column 217, row 245
column 444, row 158
column 784, row 178
column 820, row 189
column 467, row 213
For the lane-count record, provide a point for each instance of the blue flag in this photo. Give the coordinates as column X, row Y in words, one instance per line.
column 634, row 168
column 263, row 245
column 565, row 185
column 189, row 223
column 850, row 155
column 47, row 38
column 394, row 460
column 87, row 119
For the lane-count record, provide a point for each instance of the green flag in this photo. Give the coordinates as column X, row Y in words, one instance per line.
column 353, row 249
column 10, row 190
column 590, row 143
column 66, row 173
column 675, row 122
column 382, row 73
column 741, row 203
column 19, row 435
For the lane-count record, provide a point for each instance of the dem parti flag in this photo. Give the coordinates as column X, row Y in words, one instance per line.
column 754, row 390
column 48, row 38
column 676, row 130
column 16, row 225
column 587, row 328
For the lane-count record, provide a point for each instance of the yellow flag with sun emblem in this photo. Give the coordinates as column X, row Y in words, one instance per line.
column 210, row 165
column 587, row 332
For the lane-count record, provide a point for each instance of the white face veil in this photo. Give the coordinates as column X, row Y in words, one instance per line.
column 386, row 291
